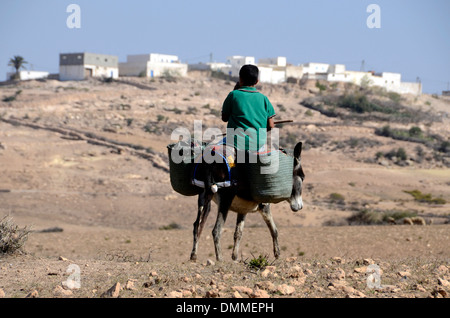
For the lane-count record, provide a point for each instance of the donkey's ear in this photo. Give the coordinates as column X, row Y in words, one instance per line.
column 298, row 150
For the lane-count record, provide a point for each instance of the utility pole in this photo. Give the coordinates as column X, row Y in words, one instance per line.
column 362, row 66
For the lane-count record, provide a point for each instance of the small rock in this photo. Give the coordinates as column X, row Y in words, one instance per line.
column 113, row 292
column 443, row 282
column 60, row 291
column 242, row 289
column 213, row 293
column 236, row 295
column 361, row 270
column 338, row 274
column 368, row 261
column 338, row 260
column 404, row 274
column 130, row 284
column 210, row 263
column 285, row 289
column 418, row 220
column 259, row 293
column 175, row 294
column 407, row 221
column 266, row 285
column 62, row 258
column 2, row 293
column 419, row 288
column 439, row 292
column 33, row 294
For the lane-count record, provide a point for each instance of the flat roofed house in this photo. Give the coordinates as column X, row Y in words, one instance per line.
column 80, row 66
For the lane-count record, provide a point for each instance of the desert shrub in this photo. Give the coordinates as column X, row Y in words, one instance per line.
column 171, row 226
column 321, row 87
column 426, row 198
column 258, row 263
column 360, row 104
column 444, row 147
column 281, row 107
column 12, row 97
column 309, row 113
column 336, row 198
column 375, row 217
column 12, row 238
column 415, row 131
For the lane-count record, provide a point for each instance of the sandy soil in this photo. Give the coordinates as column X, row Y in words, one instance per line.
column 90, row 159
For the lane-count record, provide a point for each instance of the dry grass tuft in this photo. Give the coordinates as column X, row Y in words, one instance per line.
column 12, row 238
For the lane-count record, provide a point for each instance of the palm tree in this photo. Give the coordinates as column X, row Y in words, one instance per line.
column 17, row 62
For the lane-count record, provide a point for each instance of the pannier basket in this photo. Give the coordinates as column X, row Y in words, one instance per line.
column 270, row 178
column 181, row 164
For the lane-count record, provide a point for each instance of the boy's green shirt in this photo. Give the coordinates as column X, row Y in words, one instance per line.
column 249, row 110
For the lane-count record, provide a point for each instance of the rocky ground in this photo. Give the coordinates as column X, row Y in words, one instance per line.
column 85, row 165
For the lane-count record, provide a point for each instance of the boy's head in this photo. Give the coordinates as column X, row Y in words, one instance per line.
column 248, row 75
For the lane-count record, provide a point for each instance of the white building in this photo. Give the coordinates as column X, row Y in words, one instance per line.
column 236, row 62
column 152, row 65
column 27, row 75
column 337, row 73
column 272, row 70
column 80, row 66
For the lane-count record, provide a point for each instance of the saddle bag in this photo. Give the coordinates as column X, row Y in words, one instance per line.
column 181, row 165
column 270, row 177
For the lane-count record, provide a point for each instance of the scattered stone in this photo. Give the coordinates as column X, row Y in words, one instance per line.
column 443, row 282
column 338, row 274
column 388, row 289
column 442, row 269
column 175, row 294
column 360, row 270
column 60, row 291
column 407, row 221
column 2, row 293
column 130, row 284
column 438, row 292
column 266, row 285
column 113, row 292
column 33, row 294
column 269, row 270
column 418, row 220
column 242, row 289
column 404, row 274
column 368, row 261
column 62, row 259
column 419, row 288
column 236, row 295
column 259, row 293
column 210, row 263
column 338, row 260
column 285, row 289
column 391, row 220
column 213, row 293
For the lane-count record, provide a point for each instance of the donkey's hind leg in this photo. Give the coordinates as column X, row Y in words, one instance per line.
column 225, row 199
column 238, row 234
column 204, row 207
column 264, row 209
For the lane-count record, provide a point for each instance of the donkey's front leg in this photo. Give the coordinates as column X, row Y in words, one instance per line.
column 264, row 209
column 204, row 206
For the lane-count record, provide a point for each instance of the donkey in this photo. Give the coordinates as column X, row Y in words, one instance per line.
column 237, row 199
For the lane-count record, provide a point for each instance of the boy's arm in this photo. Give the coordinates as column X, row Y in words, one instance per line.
column 225, row 117
column 270, row 123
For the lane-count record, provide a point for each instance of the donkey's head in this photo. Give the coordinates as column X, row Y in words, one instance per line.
column 298, row 176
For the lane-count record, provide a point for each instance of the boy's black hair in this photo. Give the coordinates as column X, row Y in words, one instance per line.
column 249, row 75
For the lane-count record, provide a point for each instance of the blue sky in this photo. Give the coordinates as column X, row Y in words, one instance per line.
column 414, row 38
